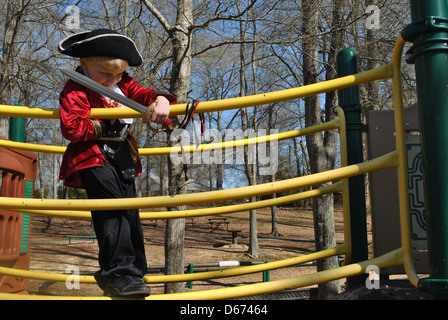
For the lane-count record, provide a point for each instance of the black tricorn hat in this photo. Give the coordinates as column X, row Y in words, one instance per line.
column 101, row 42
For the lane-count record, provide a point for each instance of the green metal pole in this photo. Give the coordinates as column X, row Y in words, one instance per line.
column 266, row 274
column 190, row 267
column 428, row 32
column 17, row 129
column 349, row 101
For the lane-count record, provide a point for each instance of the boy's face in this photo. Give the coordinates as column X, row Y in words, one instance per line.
column 104, row 73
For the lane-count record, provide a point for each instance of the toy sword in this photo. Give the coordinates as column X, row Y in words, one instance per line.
column 98, row 87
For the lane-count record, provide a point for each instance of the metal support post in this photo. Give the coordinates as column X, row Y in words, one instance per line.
column 16, row 129
column 428, row 32
column 349, row 101
column 190, row 267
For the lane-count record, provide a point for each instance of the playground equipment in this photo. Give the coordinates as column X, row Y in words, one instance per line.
column 339, row 176
column 17, row 175
column 428, row 31
column 384, row 188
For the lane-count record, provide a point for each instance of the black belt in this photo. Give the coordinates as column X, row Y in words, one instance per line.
column 119, row 154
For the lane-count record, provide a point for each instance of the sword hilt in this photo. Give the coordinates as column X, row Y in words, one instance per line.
column 166, row 125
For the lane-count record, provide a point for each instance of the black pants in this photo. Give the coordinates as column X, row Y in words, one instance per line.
column 119, row 232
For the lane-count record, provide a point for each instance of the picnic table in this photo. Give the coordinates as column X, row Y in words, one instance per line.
column 234, row 235
column 218, row 222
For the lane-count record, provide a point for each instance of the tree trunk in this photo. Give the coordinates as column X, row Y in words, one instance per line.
column 274, row 230
column 219, row 166
column 180, row 35
column 249, row 155
column 11, row 27
column 180, row 82
column 321, row 148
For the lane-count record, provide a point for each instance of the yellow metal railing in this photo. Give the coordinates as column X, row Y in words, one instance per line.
column 386, row 161
column 339, row 177
column 403, row 192
column 334, row 124
column 379, row 73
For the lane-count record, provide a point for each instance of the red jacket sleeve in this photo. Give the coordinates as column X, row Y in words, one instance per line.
column 76, row 101
column 75, row 109
column 142, row 95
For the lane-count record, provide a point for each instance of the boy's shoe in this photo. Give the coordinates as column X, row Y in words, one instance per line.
column 127, row 286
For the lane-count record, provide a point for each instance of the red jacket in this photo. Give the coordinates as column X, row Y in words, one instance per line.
column 75, row 103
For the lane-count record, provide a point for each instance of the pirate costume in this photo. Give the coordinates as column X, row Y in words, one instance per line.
column 103, row 158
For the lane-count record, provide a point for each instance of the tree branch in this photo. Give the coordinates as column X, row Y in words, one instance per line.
column 165, row 24
column 219, row 17
column 247, row 41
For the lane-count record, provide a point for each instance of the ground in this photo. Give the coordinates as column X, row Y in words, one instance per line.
column 51, row 251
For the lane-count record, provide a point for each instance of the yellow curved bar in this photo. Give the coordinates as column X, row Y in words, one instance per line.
column 335, row 187
column 45, row 276
column 85, row 215
column 345, row 188
column 338, row 250
column 381, row 72
column 27, row 112
column 31, row 147
column 392, row 258
column 333, row 124
column 378, row 73
column 389, row 259
column 386, row 161
column 403, row 191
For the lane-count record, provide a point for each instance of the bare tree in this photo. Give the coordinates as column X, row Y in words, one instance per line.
column 321, row 146
column 15, row 11
column 181, row 36
column 250, row 167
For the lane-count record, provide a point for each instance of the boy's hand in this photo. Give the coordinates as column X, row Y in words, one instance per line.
column 159, row 113
column 114, row 104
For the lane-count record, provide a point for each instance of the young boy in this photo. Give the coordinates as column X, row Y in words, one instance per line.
column 102, row 155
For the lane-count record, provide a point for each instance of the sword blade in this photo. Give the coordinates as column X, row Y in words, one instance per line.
column 98, row 87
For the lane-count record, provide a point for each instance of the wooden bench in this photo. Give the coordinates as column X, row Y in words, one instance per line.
column 218, row 222
column 69, row 236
